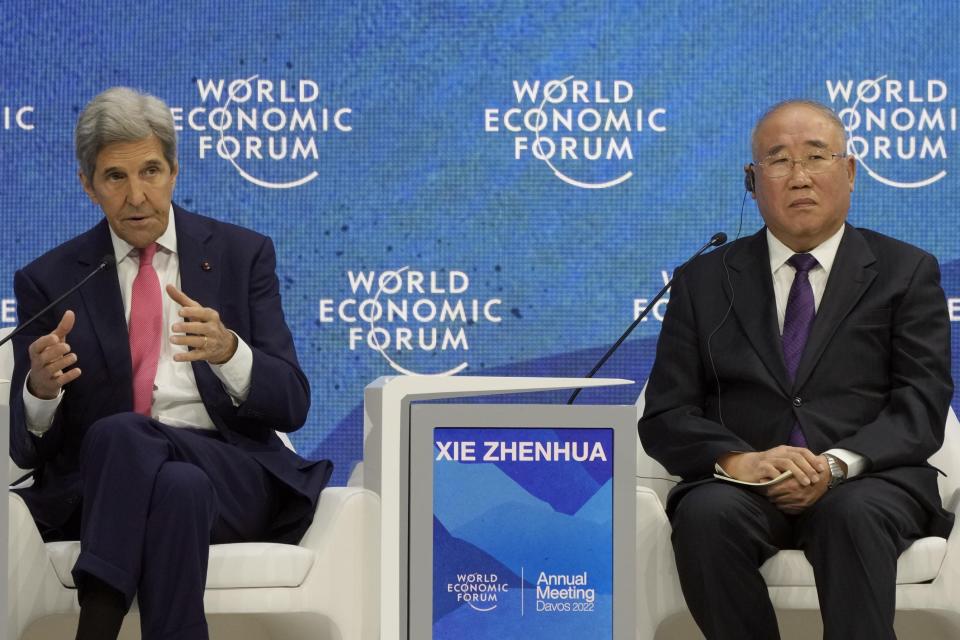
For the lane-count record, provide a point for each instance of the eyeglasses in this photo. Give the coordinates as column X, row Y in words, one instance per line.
column 782, row 166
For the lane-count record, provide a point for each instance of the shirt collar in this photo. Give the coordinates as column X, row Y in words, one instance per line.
column 167, row 240
column 825, row 252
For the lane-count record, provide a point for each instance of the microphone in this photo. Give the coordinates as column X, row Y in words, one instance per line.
column 106, row 262
column 715, row 241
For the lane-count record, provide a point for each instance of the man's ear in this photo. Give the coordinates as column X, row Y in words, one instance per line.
column 88, row 187
column 851, row 171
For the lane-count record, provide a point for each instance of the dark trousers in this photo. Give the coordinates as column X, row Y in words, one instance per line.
column 852, row 537
column 154, row 498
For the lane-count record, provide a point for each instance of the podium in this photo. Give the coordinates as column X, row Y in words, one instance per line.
column 403, row 451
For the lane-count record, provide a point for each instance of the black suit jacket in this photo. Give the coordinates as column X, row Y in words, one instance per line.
column 241, row 284
column 874, row 377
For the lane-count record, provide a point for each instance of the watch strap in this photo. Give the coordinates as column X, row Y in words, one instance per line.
column 836, row 471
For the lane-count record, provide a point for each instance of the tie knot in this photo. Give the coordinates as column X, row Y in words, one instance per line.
column 147, row 253
column 802, row 262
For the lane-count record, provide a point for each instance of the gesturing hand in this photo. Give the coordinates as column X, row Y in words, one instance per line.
column 49, row 356
column 205, row 335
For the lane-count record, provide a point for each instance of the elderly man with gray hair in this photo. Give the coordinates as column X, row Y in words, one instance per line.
column 808, row 367
column 150, row 398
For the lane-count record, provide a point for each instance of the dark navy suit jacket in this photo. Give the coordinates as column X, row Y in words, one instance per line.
column 241, row 284
column 874, row 377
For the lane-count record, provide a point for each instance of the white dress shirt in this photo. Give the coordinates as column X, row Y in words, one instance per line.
column 176, row 399
column 783, row 275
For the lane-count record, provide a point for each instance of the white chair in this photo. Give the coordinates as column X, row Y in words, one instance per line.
column 325, row 588
column 928, row 573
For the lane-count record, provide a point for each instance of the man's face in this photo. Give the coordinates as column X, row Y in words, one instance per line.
column 133, row 184
column 802, row 210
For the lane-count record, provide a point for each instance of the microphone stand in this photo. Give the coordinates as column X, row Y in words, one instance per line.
column 717, row 240
column 106, row 262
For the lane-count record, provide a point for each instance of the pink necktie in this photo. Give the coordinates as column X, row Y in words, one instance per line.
column 146, row 320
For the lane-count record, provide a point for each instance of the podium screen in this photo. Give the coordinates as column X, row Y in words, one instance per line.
column 522, row 533
column 520, row 522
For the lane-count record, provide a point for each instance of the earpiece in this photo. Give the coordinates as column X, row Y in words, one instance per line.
column 748, row 179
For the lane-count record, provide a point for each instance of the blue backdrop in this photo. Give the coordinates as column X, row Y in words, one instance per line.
column 519, row 173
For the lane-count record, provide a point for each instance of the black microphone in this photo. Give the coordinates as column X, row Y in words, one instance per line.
column 718, row 239
column 106, row 262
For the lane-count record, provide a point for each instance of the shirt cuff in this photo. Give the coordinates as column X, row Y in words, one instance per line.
column 235, row 373
column 39, row 412
column 855, row 462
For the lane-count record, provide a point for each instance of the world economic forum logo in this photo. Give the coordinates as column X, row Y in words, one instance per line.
column 269, row 131
column 898, row 130
column 404, row 314
column 481, row 591
column 586, row 133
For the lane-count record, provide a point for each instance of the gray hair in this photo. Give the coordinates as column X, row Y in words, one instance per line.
column 819, row 107
column 121, row 114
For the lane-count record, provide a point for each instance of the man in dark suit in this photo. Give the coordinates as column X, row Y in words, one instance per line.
column 151, row 396
column 811, row 347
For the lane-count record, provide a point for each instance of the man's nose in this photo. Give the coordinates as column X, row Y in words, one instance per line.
column 136, row 195
column 798, row 174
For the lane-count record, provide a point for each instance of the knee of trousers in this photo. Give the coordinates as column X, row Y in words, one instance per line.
column 184, row 487
column 848, row 516
column 710, row 513
column 103, row 436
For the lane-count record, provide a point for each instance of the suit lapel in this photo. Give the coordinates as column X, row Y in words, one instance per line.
column 849, row 279
column 755, row 306
column 199, row 258
column 104, row 304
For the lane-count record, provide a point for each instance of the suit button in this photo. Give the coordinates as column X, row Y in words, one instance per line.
column 797, row 401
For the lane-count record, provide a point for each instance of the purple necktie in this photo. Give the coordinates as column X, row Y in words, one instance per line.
column 797, row 321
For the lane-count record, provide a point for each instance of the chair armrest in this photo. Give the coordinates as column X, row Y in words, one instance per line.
column 952, row 556
column 15, row 473
column 952, row 504
column 650, row 511
column 33, row 589
column 24, row 542
column 658, row 587
column 337, row 503
column 949, row 575
column 345, row 535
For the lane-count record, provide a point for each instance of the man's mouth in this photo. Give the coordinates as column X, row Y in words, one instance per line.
column 803, row 202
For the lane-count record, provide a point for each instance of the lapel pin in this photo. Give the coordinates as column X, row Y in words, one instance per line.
column 205, row 265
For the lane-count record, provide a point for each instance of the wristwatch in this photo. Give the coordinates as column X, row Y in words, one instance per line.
column 836, row 471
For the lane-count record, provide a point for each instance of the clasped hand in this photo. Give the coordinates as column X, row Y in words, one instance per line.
column 202, row 332
column 809, row 482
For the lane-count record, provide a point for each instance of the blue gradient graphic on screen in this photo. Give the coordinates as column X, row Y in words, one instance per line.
column 522, row 533
column 394, row 154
